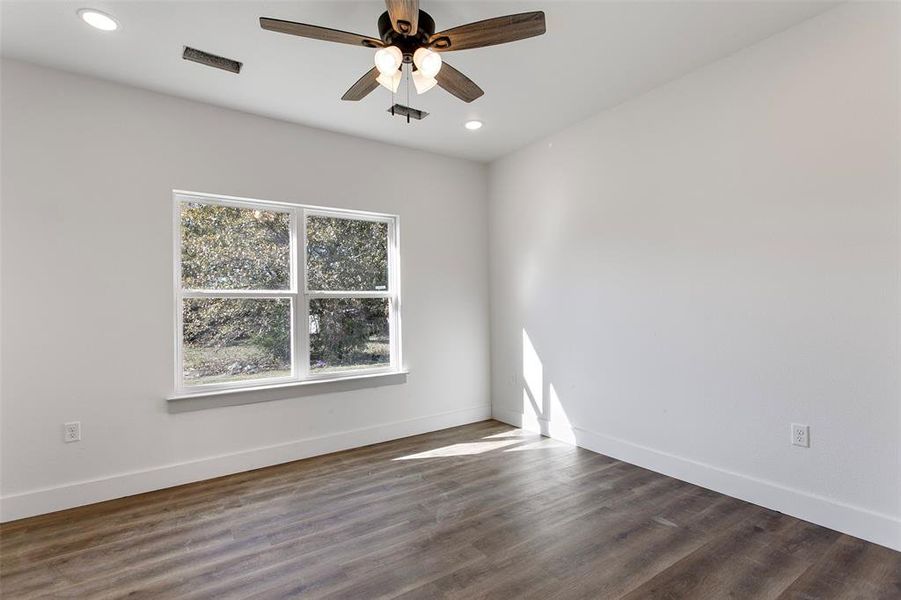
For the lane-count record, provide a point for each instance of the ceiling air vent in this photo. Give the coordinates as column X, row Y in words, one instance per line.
column 211, row 60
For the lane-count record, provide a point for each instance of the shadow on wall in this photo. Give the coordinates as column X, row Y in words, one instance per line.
column 542, row 410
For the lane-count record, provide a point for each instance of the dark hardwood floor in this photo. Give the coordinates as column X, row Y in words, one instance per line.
column 478, row 511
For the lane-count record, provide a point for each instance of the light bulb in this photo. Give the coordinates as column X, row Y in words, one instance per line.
column 427, row 61
column 473, row 125
column 392, row 82
column 388, row 60
column 423, row 82
column 98, row 20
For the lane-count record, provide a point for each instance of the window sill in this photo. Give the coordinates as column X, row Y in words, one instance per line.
column 361, row 378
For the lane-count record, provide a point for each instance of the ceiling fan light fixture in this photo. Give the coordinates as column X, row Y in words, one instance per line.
column 423, row 82
column 411, row 36
column 391, row 82
column 427, row 61
column 388, row 60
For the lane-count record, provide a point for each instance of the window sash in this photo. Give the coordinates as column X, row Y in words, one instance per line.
column 392, row 250
column 394, row 345
column 299, row 295
column 182, row 199
column 391, row 293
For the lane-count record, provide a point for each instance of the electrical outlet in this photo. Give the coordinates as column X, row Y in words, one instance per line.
column 72, row 431
column 801, row 435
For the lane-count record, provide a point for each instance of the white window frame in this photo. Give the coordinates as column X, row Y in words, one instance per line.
column 298, row 293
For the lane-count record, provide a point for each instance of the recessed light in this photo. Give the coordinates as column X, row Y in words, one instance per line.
column 473, row 125
column 98, row 20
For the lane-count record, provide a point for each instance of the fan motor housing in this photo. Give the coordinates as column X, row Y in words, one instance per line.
column 408, row 44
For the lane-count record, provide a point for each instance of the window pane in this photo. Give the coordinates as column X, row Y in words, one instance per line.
column 348, row 333
column 228, row 248
column 346, row 254
column 236, row 339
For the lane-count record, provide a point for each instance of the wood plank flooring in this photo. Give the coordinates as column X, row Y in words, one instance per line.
column 480, row 511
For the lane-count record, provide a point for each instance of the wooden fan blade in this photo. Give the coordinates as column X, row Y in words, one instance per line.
column 404, row 15
column 363, row 86
column 319, row 33
column 458, row 84
column 489, row 32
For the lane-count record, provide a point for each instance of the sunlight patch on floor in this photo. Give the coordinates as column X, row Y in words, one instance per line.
column 516, row 433
column 542, row 444
column 463, row 449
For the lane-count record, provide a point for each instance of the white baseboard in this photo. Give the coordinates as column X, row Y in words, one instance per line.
column 37, row 502
column 854, row 520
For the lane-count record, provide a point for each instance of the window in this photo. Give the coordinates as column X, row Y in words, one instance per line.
column 270, row 293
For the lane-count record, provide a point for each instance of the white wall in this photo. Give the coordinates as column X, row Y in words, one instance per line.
column 700, row 267
column 88, row 172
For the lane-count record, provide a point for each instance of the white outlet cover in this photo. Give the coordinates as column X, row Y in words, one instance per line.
column 800, row 435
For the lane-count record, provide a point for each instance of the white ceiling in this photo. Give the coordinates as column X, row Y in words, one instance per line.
column 594, row 55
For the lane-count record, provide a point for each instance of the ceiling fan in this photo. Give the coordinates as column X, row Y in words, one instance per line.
column 407, row 36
